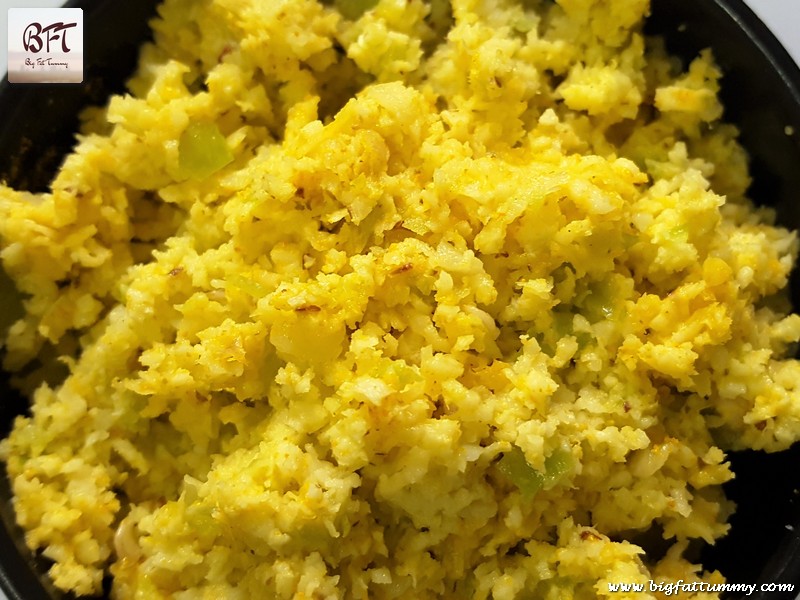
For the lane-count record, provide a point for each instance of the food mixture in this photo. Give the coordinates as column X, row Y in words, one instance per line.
column 395, row 300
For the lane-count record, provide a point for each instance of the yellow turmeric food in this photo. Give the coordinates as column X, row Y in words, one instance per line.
column 394, row 299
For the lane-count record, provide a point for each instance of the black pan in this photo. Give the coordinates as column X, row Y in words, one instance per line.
column 761, row 93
